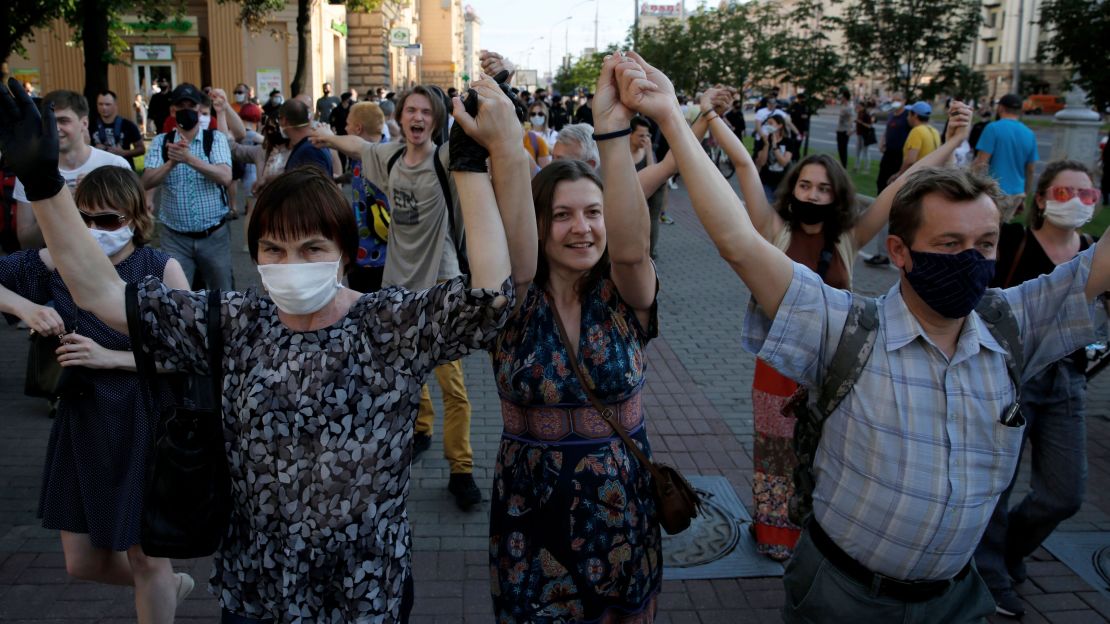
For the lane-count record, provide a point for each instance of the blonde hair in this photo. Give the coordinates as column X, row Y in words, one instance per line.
column 119, row 189
column 369, row 115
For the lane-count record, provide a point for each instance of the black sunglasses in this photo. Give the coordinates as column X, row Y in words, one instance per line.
column 104, row 220
column 538, row 114
column 240, row 93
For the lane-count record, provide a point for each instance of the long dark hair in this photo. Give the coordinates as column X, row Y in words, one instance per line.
column 844, row 197
column 543, row 195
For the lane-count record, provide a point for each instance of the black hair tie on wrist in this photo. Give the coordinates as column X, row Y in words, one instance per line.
column 613, row 135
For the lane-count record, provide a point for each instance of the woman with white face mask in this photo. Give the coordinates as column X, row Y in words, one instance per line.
column 321, row 383
column 1054, row 401
column 93, row 483
column 540, row 118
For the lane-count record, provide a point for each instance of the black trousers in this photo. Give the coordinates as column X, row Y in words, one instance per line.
column 842, row 147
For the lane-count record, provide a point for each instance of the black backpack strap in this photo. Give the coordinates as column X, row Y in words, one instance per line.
column 445, row 187
column 852, row 352
column 216, row 348
column 206, row 138
column 999, row 317
column 393, row 161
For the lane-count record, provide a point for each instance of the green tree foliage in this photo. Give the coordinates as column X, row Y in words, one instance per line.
column 21, row 17
column 582, row 74
column 958, row 81
column 804, row 56
column 1080, row 29
column 906, row 40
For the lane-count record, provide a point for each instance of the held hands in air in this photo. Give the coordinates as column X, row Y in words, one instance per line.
column 29, row 141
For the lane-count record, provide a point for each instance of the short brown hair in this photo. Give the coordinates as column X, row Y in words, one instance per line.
column 118, row 189
column 439, row 111
column 1051, row 170
column 368, row 114
column 951, row 183
column 294, row 112
column 303, row 202
column 72, row 100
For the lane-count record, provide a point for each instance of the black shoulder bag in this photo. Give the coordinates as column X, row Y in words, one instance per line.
column 187, row 502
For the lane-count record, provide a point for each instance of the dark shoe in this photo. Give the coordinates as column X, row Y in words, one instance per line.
column 1017, row 571
column 464, row 488
column 1007, row 603
column 877, row 260
column 420, row 443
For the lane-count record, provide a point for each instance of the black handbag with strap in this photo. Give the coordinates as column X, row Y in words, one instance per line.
column 676, row 501
column 43, row 369
column 187, row 502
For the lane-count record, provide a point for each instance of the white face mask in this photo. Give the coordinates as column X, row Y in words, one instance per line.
column 203, row 121
column 896, row 105
column 112, row 241
column 769, row 129
column 1068, row 215
column 537, row 122
column 240, row 97
column 301, row 288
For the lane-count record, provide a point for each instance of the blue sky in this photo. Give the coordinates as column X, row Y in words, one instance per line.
column 520, row 29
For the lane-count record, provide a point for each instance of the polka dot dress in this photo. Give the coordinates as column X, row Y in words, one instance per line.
column 95, row 468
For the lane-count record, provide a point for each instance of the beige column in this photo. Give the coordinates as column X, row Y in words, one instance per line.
column 225, row 45
column 63, row 65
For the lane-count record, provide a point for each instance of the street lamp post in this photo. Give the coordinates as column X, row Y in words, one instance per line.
column 550, row 38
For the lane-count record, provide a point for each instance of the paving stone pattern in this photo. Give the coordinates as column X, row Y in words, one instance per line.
column 699, row 415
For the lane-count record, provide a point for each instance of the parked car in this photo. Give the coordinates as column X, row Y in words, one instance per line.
column 1043, row 104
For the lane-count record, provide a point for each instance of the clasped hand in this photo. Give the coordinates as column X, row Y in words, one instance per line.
column 627, row 85
column 496, row 126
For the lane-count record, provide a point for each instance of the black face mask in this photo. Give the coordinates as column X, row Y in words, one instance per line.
column 187, row 118
column 809, row 213
column 951, row 284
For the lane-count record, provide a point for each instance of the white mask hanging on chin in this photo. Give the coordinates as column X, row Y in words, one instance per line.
column 1068, row 215
column 301, row 288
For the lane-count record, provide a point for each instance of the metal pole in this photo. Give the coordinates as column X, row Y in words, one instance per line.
column 1016, row 87
column 636, row 26
column 597, row 3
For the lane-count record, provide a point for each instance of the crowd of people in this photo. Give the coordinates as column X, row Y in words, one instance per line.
column 394, row 236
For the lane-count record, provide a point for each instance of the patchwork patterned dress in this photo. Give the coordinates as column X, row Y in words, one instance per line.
column 318, row 431
column 573, row 533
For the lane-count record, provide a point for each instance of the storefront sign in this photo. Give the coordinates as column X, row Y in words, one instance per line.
column 661, row 10
column 29, row 74
column 152, row 52
column 400, row 37
column 266, row 80
column 414, row 50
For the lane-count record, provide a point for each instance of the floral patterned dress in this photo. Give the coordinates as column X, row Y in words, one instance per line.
column 318, row 431
column 573, row 532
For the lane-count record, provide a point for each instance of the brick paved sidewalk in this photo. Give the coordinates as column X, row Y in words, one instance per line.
column 698, row 398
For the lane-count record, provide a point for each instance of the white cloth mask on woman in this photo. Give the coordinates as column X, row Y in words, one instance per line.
column 1070, row 214
column 301, row 288
column 112, row 241
column 204, row 121
column 537, row 122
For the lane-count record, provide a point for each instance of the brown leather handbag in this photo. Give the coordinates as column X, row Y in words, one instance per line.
column 676, row 501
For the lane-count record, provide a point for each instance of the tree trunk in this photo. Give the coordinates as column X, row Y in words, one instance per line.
column 94, row 39
column 297, row 85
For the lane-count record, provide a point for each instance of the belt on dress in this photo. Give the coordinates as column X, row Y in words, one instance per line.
column 879, row 585
column 201, row 234
column 569, row 424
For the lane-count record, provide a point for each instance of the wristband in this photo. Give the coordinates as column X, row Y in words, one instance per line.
column 613, row 135
column 715, row 116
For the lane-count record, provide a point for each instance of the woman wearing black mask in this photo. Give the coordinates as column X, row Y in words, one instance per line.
column 814, row 221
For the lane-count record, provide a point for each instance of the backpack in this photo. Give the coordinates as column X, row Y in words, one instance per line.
column 855, row 346
column 445, row 188
column 117, row 132
column 207, row 136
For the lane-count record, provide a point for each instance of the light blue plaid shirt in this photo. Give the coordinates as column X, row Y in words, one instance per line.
column 912, row 462
column 187, row 200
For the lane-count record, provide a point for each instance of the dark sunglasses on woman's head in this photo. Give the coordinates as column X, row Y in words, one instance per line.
column 104, row 220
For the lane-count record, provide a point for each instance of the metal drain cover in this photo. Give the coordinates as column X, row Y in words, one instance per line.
column 712, row 535
column 718, row 543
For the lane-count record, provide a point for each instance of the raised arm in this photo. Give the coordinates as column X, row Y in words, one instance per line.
column 627, row 220
column 511, row 174
column 765, row 269
column 763, row 217
column 876, row 216
column 31, row 144
column 227, row 120
column 350, row 145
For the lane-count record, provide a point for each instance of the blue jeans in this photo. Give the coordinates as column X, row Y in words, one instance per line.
column 210, row 257
column 817, row 591
column 1054, row 404
column 406, row 608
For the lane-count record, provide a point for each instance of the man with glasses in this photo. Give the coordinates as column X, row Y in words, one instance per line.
column 1007, row 149
column 75, row 159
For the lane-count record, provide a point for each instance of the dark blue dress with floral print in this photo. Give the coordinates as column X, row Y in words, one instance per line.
column 573, row 530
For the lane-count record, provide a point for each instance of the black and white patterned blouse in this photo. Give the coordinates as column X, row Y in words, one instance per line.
column 318, row 429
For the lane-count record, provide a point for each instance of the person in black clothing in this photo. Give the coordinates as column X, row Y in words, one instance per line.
column 799, row 114
column 338, row 118
column 1053, row 402
column 775, row 152
column 559, row 116
column 114, row 133
column 585, row 114
column 296, row 125
column 1106, row 173
column 735, row 118
column 271, row 107
column 159, row 107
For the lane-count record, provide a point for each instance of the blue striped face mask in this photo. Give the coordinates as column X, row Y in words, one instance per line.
column 951, row 284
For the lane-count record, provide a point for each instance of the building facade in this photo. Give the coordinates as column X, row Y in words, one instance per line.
column 383, row 47
column 1002, row 42
column 441, row 38
column 472, row 44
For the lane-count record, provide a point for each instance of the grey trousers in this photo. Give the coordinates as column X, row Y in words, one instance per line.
column 816, row 591
column 211, row 256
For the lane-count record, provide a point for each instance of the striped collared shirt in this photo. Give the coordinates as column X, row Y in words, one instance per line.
column 912, row 462
column 187, row 200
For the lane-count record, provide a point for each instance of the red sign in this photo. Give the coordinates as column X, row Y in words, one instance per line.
column 661, row 10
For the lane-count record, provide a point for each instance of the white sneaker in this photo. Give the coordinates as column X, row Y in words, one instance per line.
column 185, row 585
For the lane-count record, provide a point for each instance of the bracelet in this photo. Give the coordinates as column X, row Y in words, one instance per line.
column 613, row 135
column 715, row 116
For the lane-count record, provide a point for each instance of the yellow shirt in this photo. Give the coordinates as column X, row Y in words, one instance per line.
column 924, row 138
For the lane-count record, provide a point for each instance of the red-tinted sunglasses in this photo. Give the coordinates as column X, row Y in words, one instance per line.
column 104, row 220
column 1088, row 196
